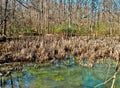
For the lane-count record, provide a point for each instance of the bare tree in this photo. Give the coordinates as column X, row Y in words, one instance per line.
column 43, row 15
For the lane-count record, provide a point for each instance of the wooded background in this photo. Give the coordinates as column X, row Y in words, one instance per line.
column 84, row 17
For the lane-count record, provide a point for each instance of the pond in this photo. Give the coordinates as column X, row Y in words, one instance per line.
column 61, row 76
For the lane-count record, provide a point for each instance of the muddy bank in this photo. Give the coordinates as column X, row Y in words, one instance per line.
column 50, row 47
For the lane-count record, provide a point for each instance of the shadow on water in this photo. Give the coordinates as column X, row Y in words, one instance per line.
column 62, row 75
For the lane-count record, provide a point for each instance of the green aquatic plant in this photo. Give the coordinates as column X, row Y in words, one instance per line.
column 59, row 78
column 37, row 72
column 67, row 77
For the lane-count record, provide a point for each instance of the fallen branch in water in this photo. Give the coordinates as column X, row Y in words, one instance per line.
column 113, row 77
column 108, row 71
column 104, row 82
column 115, row 74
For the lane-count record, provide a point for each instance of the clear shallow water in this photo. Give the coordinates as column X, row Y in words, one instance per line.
column 61, row 76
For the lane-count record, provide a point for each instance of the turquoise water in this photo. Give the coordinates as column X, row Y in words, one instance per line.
column 61, row 76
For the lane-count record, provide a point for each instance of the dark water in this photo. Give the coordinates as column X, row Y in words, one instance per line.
column 61, row 76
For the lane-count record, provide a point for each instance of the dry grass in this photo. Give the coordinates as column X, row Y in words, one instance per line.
column 39, row 49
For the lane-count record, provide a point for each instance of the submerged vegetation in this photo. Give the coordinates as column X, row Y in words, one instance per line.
column 64, row 76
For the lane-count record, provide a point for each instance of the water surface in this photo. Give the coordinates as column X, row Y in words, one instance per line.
column 61, row 76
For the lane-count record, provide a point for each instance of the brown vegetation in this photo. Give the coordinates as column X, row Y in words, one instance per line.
column 48, row 48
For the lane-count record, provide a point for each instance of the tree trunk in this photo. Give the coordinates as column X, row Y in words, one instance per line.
column 1, row 21
column 5, row 17
column 69, row 13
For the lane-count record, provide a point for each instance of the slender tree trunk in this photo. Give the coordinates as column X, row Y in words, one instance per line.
column 92, row 18
column 1, row 17
column 42, row 17
column 110, row 18
column 64, row 9
column 47, row 15
column 5, row 17
column 70, row 13
column 13, row 16
column 13, row 8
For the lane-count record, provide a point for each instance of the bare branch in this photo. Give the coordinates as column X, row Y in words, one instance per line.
column 22, row 4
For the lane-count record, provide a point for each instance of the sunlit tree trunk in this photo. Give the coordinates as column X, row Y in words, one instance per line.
column 52, row 16
column 47, row 15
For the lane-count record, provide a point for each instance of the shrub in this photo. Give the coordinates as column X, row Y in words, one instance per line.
column 101, row 29
column 29, row 30
column 64, row 28
column 83, row 30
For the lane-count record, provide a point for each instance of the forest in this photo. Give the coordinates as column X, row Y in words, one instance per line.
column 80, row 17
column 59, row 43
